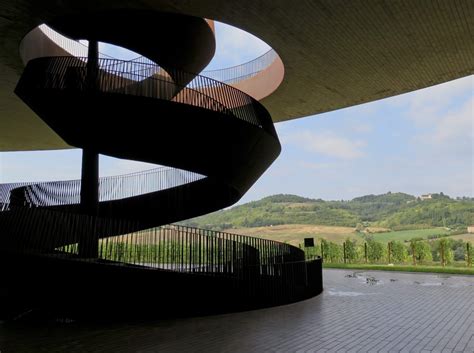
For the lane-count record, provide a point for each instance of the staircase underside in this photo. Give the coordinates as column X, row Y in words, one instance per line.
column 77, row 251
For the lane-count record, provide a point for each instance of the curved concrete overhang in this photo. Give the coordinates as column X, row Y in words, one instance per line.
column 335, row 53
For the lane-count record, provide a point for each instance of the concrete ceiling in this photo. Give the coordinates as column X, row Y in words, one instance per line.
column 337, row 53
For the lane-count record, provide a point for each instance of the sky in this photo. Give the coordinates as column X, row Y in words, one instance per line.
column 419, row 142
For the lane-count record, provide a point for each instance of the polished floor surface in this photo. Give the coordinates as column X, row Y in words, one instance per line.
column 358, row 312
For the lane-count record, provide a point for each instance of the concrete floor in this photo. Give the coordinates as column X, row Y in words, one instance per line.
column 358, row 312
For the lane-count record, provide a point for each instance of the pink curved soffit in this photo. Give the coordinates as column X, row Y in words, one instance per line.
column 258, row 86
column 265, row 82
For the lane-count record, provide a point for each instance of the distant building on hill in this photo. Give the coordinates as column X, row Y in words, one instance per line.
column 426, row 197
column 470, row 229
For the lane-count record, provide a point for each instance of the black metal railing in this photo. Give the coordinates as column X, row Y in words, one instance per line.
column 53, row 234
column 125, row 77
column 243, row 71
column 253, row 271
column 146, row 67
column 67, row 192
column 185, row 249
column 228, row 75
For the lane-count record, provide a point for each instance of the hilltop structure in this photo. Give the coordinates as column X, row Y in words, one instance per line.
column 73, row 243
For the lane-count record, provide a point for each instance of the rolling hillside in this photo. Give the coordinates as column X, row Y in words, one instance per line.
column 390, row 211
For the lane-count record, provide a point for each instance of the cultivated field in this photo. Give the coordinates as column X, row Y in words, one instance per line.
column 465, row 237
column 295, row 233
column 403, row 235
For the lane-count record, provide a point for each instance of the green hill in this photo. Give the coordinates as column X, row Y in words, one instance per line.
column 390, row 210
column 437, row 213
column 372, row 208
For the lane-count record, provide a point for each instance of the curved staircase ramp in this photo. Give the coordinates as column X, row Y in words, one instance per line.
column 172, row 41
column 231, row 141
column 217, row 140
column 163, row 271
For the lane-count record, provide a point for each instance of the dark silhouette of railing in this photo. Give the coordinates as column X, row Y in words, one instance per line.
column 119, row 76
column 243, row 71
column 258, row 272
column 44, row 224
column 228, row 75
column 146, row 67
column 68, row 77
column 170, row 247
column 67, row 192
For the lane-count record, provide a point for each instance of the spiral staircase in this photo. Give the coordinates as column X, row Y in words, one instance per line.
column 104, row 247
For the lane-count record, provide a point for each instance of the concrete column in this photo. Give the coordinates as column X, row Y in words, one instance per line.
column 89, row 247
column 90, row 182
column 92, row 64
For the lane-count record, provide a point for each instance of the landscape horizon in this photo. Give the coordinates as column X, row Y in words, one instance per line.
column 391, row 210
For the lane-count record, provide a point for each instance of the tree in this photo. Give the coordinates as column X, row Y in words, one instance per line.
column 445, row 252
column 332, row 251
column 375, row 250
column 351, row 249
column 469, row 254
column 424, row 251
column 459, row 249
column 420, row 250
column 399, row 251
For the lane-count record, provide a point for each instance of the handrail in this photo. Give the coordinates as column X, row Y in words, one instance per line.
column 46, row 223
column 270, row 53
column 246, row 70
column 169, row 247
column 234, row 73
column 228, row 75
column 67, row 192
column 251, row 272
column 201, row 91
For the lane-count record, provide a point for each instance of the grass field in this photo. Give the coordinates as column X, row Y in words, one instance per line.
column 403, row 235
column 465, row 237
column 405, row 268
column 295, row 233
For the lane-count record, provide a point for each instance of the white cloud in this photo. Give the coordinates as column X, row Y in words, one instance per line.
column 443, row 118
column 455, row 125
column 316, row 166
column 441, row 93
column 362, row 128
column 327, row 143
column 426, row 105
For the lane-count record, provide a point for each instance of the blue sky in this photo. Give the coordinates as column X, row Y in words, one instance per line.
column 418, row 142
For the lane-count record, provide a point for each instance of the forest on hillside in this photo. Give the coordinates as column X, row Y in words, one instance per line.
column 395, row 211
